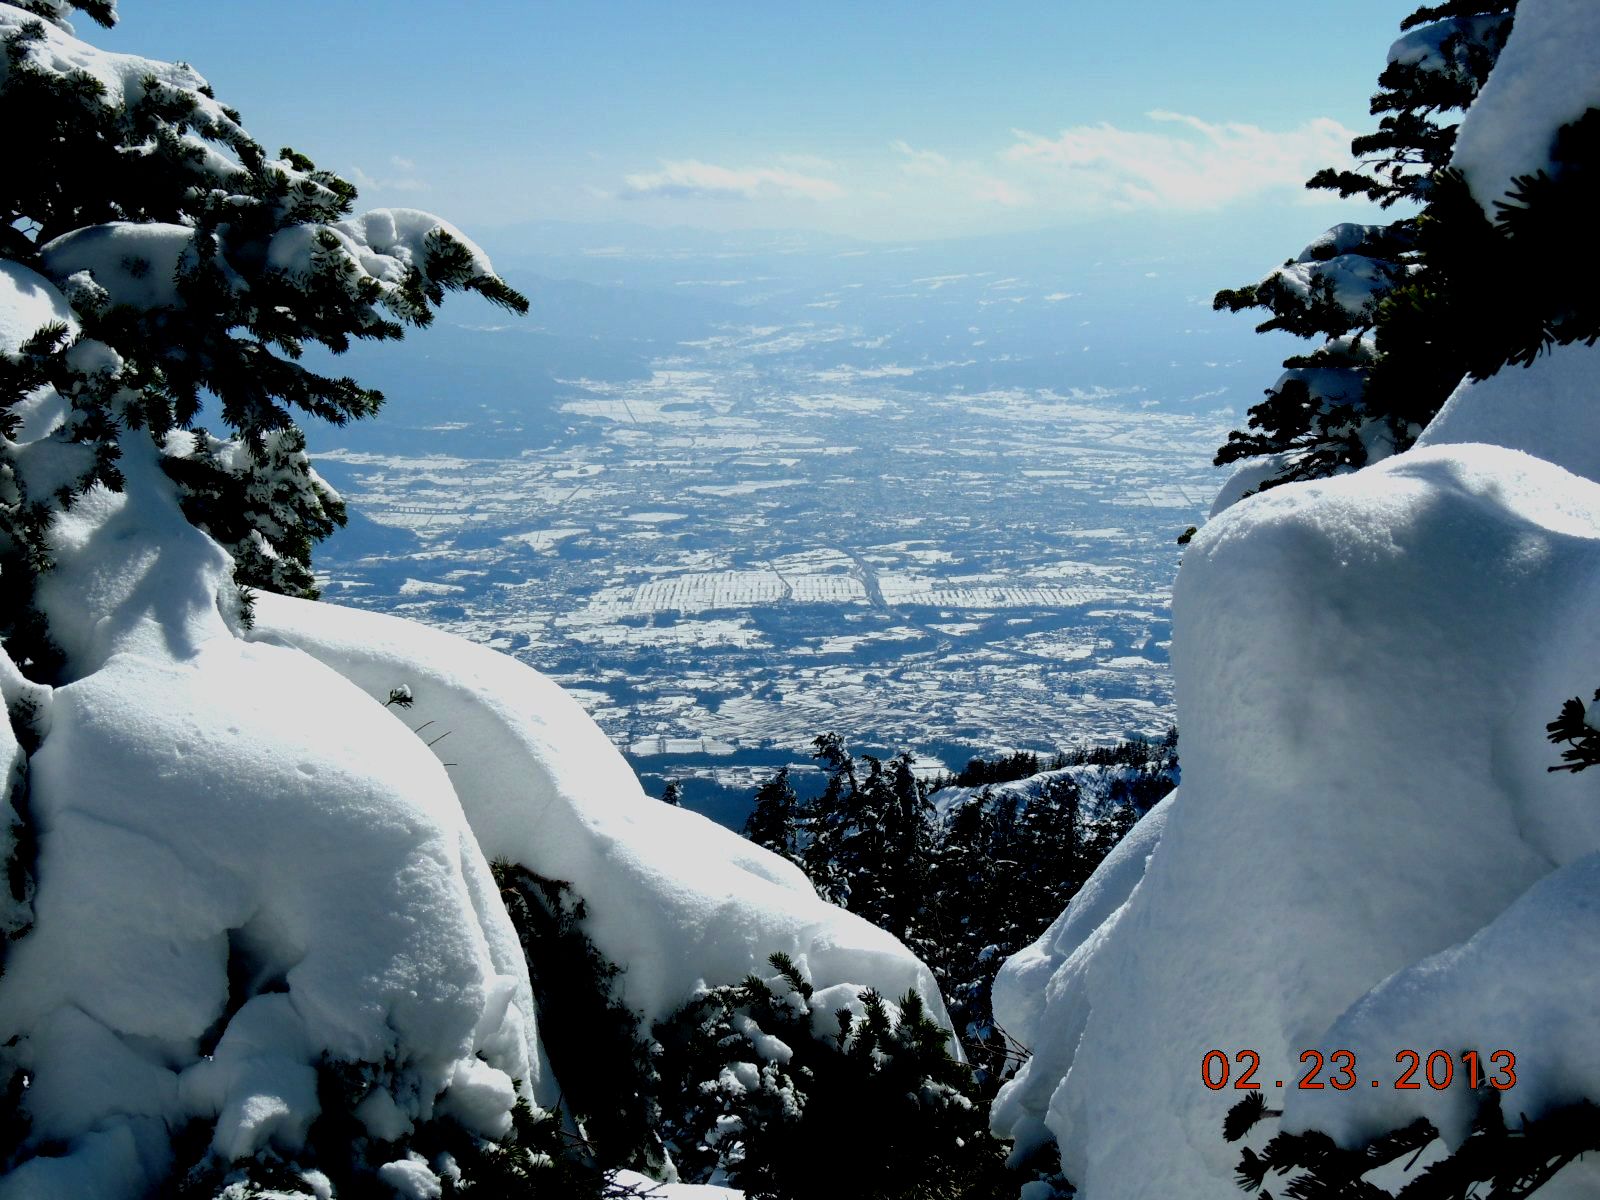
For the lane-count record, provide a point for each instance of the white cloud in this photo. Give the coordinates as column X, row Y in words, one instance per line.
column 397, row 183
column 807, row 162
column 1196, row 165
column 692, row 179
column 920, row 162
column 404, row 164
column 998, row 191
column 969, row 177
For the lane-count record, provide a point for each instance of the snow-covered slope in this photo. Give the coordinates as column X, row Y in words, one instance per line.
column 1101, row 789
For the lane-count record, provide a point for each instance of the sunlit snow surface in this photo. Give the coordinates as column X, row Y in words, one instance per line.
column 1364, row 669
column 1547, row 75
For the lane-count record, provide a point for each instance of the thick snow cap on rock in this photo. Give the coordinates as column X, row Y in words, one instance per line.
column 675, row 898
column 1547, row 408
column 1546, row 77
column 1364, row 668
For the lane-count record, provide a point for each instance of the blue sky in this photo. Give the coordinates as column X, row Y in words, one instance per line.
column 882, row 120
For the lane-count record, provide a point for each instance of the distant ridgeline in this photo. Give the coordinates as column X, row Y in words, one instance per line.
column 969, row 868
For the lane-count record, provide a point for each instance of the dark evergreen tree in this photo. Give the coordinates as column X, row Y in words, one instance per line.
column 908, row 845
column 1049, row 850
column 1581, row 738
column 1383, row 299
column 184, row 270
column 828, row 822
column 672, row 794
column 1020, row 764
column 968, row 922
column 866, row 841
column 197, row 267
column 772, row 819
column 1497, row 1159
column 593, row 1039
column 970, row 888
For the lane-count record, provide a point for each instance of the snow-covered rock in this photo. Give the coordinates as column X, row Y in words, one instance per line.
column 1364, row 668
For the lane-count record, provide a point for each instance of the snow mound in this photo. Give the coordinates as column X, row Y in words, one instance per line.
column 1526, row 981
column 1546, row 77
column 681, row 901
column 245, row 867
column 1364, row 668
column 248, row 866
column 134, row 264
column 1535, row 408
column 28, row 303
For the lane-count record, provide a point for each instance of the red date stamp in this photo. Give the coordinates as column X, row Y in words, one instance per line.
column 1438, row 1070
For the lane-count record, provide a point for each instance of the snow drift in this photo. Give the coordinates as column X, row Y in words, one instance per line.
column 680, row 900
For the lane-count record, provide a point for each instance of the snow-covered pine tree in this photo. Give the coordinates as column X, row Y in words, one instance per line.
column 787, row 1091
column 198, row 268
column 1050, row 848
column 1382, row 298
column 1500, row 274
